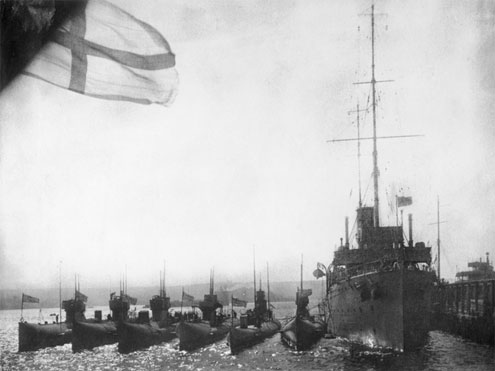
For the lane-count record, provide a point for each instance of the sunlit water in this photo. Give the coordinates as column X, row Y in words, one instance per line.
column 443, row 352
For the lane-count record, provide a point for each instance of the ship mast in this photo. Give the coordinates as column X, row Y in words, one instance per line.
column 438, row 235
column 254, row 278
column 164, row 289
column 301, row 273
column 161, row 285
column 60, row 291
column 358, row 139
column 376, row 214
column 359, row 158
column 212, row 284
column 376, row 171
column 268, row 285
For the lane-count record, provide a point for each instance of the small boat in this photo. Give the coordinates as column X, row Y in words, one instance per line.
column 144, row 333
column 256, row 325
column 92, row 333
column 214, row 326
column 304, row 330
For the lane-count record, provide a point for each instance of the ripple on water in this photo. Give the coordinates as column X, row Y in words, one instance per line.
column 443, row 352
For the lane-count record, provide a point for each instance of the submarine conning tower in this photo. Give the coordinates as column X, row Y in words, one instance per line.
column 74, row 310
column 261, row 303
column 208, row 307
column 159, row 307
column 119, row 305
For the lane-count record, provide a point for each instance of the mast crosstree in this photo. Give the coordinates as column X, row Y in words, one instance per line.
column 376, row 171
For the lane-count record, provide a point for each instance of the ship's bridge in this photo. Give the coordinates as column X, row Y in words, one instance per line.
column 380, row 244
column 369, row 236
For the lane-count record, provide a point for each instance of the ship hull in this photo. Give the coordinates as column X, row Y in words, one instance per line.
column 134, row 336
column 37, row 336
column 302, row 333
column 382, row 309
column 193, row 335
column 89, row 335
column 241, row 338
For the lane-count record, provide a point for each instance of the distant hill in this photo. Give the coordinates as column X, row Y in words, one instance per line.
column 49, row 298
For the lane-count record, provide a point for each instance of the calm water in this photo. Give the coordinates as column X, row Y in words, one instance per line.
column 443, row 352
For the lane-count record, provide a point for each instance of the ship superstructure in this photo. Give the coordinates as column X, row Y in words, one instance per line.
column 379, row 293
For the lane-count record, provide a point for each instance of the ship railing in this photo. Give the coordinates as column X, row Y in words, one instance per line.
column 377, row 266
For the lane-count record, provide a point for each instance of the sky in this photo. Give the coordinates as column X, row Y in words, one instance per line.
column 241, row 160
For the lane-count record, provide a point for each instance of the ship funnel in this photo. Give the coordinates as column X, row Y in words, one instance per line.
column 410, row 230
column 487, row 260
column 347, row 231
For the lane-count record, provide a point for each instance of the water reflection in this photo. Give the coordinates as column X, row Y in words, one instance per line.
column 443, row 352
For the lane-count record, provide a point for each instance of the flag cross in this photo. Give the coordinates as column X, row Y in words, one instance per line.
column 79, row 66
column 81, row 48
column 104, row 52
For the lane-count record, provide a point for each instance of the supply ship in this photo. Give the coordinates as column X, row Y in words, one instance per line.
column 379, row 290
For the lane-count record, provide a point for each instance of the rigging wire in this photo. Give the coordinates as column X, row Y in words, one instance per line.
column 353, row 229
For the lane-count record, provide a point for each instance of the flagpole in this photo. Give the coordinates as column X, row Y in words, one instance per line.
column 260, row 282
column 60, row 292
column 267, row 286
column 396, row 236
column 213, row 280
column 181, row 302
column 254, row 278
column 22, row 306
column 396, row 211
column 232, row 312
column 268, row 289
column 438, row 235
column 301, row 272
